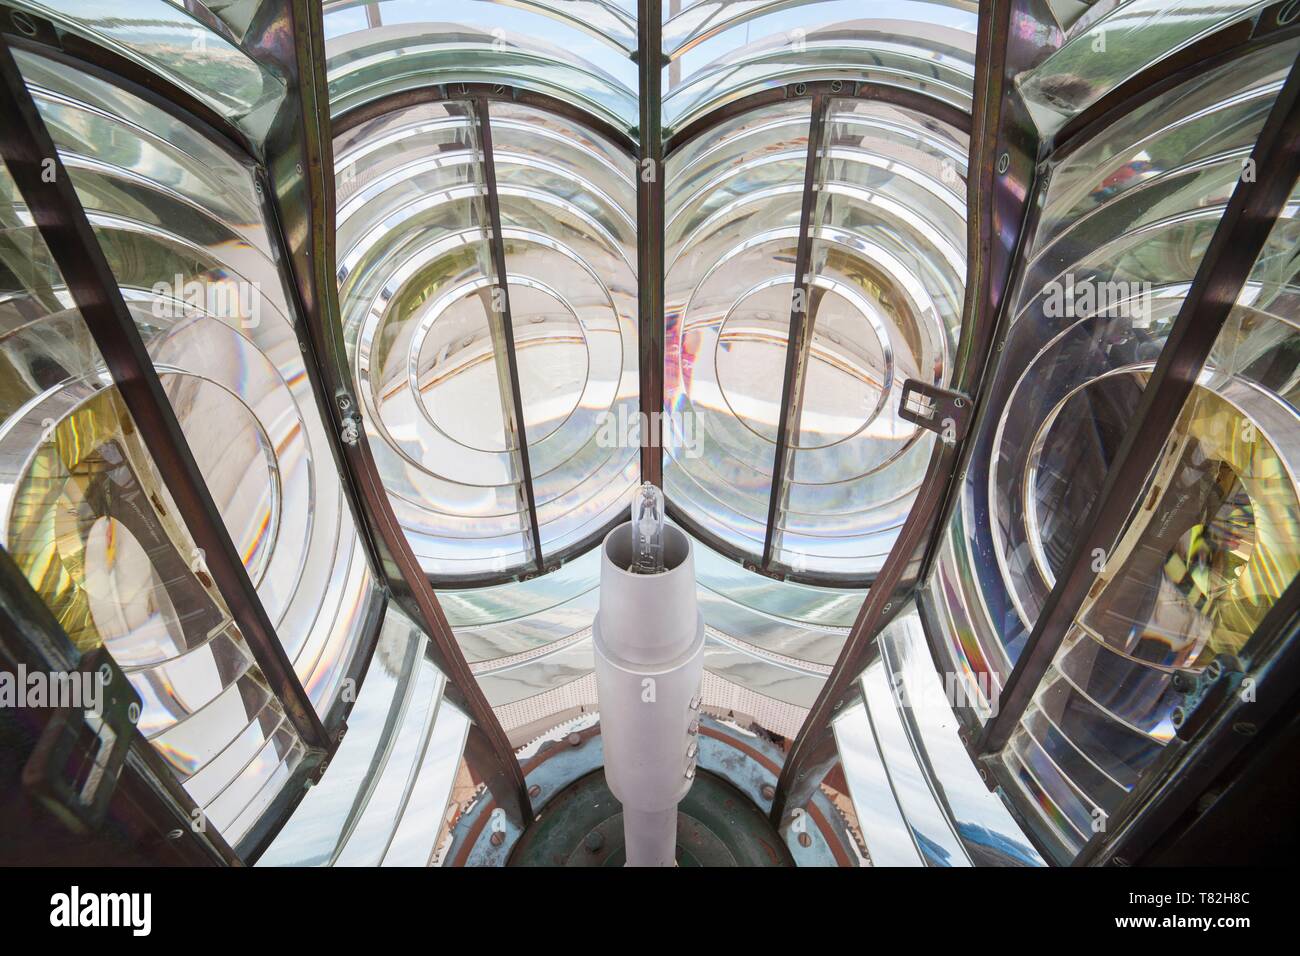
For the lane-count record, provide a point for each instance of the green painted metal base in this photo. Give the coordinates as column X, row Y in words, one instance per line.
column 717, row 825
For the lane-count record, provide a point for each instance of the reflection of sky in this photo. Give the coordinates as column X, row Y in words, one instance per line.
column 524, row 29
column 800, row 18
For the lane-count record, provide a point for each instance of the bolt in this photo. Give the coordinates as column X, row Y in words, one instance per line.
column 594, row 841
column 349, row 432
column 767, row 791
column 573, row 739
column 1181, row 682
column 497, row 838
column 23, row 22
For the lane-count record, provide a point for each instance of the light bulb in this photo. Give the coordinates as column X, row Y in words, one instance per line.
column 647, row 530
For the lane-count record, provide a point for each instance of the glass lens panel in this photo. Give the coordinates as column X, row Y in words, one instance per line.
column 720, row 51
column 1106, row 49
column 183, row 42
column 576, row 51
column 884, row 306
column 86, row 518
column 1125, row 220
column 568, row 220
column 426, row 330
column 733, row 202
column 185, row 234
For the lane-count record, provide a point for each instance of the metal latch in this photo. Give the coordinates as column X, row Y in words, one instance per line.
column 79, row 756
column 940, row 410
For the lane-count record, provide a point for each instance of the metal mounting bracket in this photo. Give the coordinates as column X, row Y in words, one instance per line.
column 79, row 756
column 940, row 410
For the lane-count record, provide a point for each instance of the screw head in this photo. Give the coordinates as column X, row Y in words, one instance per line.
column 1004, row 163
column 1178, row 717
column 805, row 839
column 349, row 432
column 767, row 791
column 534, row 791
column 573, row 739
column 133, row 712
column 1245, row 728
column 594, row 841
column 105, row 674
column 497, row 838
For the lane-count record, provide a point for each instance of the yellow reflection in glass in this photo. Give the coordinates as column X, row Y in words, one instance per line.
column 1212, row 547
column 102, row 550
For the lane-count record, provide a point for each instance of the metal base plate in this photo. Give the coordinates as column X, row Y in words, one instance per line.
column 717, row 825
